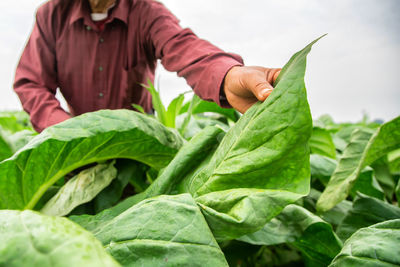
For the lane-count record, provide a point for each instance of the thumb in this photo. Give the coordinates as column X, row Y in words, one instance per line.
column 259, row 86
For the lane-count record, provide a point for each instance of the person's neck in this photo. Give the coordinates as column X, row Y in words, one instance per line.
column 101, row 6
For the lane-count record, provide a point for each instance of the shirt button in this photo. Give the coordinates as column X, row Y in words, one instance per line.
column 101, row 40
column 101, row 95
column 100, row 68
column 88, row 28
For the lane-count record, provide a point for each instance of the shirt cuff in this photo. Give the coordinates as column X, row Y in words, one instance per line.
column 56, row 116
column 59, row 115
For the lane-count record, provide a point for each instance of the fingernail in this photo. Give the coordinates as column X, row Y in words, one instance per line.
column 266, row 91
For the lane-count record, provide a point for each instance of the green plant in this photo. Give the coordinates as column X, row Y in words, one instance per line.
column 241, row 191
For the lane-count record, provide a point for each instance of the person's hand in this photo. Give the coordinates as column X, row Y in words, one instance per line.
column 244, row 86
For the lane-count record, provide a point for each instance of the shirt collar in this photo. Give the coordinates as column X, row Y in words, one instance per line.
column 78, row 10
column 121, row 10
column 81, row 10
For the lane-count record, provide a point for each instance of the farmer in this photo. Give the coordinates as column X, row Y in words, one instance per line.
column 98, row 52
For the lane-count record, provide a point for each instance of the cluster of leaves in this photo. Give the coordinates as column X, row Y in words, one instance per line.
column 198, row 185
column 15, row 132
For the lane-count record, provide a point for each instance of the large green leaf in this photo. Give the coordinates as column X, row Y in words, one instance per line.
column 161, row 231
column 322, row 167
column 199, row 122
column 15, row 121
column 366, row 211
column 384, row 175
column 374, row 246
column 80, row 189
column 367, row 184
column 306, row 231
column 333, row 216
column 6, row 150
column 188, row 159
column 366, row 147
column 385, row 140
column 11, row 142
column 31, row 239
column 20, row 139
column 394, row 161
column 201, row 106
column 83, row 140
column 262, row 164
column 129, row 171
column 321, row 142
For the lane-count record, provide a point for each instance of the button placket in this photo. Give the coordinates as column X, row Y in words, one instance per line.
column 101, row 78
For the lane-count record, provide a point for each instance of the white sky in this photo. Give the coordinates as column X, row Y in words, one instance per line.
column 354, row 69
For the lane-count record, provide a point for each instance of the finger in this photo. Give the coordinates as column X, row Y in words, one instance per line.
column 244, row 104
column 257, row 83
column 240, row 103
column 272, row 74
column 276, row 75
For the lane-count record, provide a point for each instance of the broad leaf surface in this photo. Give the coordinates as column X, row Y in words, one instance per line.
column 128, row 171
column 384, row 175
column 306, row 231
column 366, row 147
column 188, row 159
column 340, row 144
column 322, row 167
column 11, row 142
column 197, row 123
column 394, row 161
column 262, row 164
column 80, row 141
column 367, row 184
column 32, row 239
column 385, row 140
column 6, row 150
column 374, row 246
column 202, row 106
column 366, row 211
column 15, row 121
column 346, row 171
column 80, row 189
column 20, row 139
column 321, row 142
column 161, row 231
column 333, row 216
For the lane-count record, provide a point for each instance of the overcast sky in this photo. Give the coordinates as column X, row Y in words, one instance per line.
column 355, row 69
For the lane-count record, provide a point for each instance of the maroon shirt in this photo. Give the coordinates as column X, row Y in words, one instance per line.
column 104, row 69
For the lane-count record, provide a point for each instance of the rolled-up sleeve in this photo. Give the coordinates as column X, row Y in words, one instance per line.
column 36, row 76
column 203, row 65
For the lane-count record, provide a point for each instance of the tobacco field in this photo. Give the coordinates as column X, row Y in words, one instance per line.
column 198, row 185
